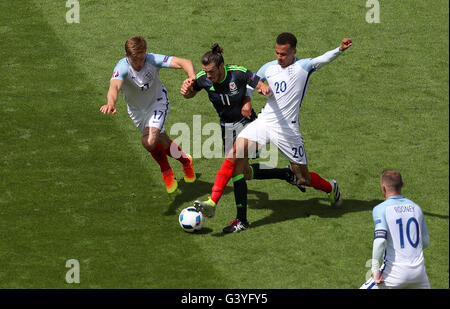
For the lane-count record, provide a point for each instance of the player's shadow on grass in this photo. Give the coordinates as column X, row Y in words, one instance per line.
column 192, row 191
column 284, row 210
column 426, row 213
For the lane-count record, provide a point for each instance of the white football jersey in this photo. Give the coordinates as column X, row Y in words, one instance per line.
column 289, row 88
column 141, row 89
column 402, row 223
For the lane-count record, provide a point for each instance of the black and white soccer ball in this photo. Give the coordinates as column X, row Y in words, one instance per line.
column 191, row 219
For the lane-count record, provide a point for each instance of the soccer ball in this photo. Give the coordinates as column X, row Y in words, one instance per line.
column 191, row 219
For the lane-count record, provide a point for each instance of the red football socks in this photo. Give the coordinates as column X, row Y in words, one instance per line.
column 222, row 178
column 319, row 183
column 158, row 153
column 175, row 152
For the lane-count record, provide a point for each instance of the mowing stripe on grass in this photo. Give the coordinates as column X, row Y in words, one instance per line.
column 70, row 187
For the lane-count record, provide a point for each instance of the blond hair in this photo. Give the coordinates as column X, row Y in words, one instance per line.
column 134, row 46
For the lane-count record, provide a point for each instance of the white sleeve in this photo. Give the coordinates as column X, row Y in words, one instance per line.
column 425, row 235
column 121, row 69
column 318, row 62
column 262, row 75
column 158, row 60
column 379, row 245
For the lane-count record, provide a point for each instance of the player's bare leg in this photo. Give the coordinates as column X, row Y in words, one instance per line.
column 164, row 139
column 150, row 137
column 150, row 141
column 247, row 171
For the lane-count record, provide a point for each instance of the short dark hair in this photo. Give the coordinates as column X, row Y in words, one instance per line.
column 287, row 38
column 214, row 55
column 392, row 179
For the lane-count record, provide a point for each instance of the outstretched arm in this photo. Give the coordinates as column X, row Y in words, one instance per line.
column 185, row 64
column 186, row 88
column 318, row 62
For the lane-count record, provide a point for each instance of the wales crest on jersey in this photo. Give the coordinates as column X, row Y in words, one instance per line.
column 233, row 88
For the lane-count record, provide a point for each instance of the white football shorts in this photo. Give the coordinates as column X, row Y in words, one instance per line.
column 400, row 277
column 154, row 116
column 288, row 140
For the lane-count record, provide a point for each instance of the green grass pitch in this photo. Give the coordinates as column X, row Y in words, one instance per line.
column 76, row 184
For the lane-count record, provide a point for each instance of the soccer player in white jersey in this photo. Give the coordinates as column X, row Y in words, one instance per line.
column 227, row 87
column 400, row 235
column 137, row 75
column 288, row 78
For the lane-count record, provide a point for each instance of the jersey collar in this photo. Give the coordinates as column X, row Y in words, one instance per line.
column 395, row 197
column 225, row 68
